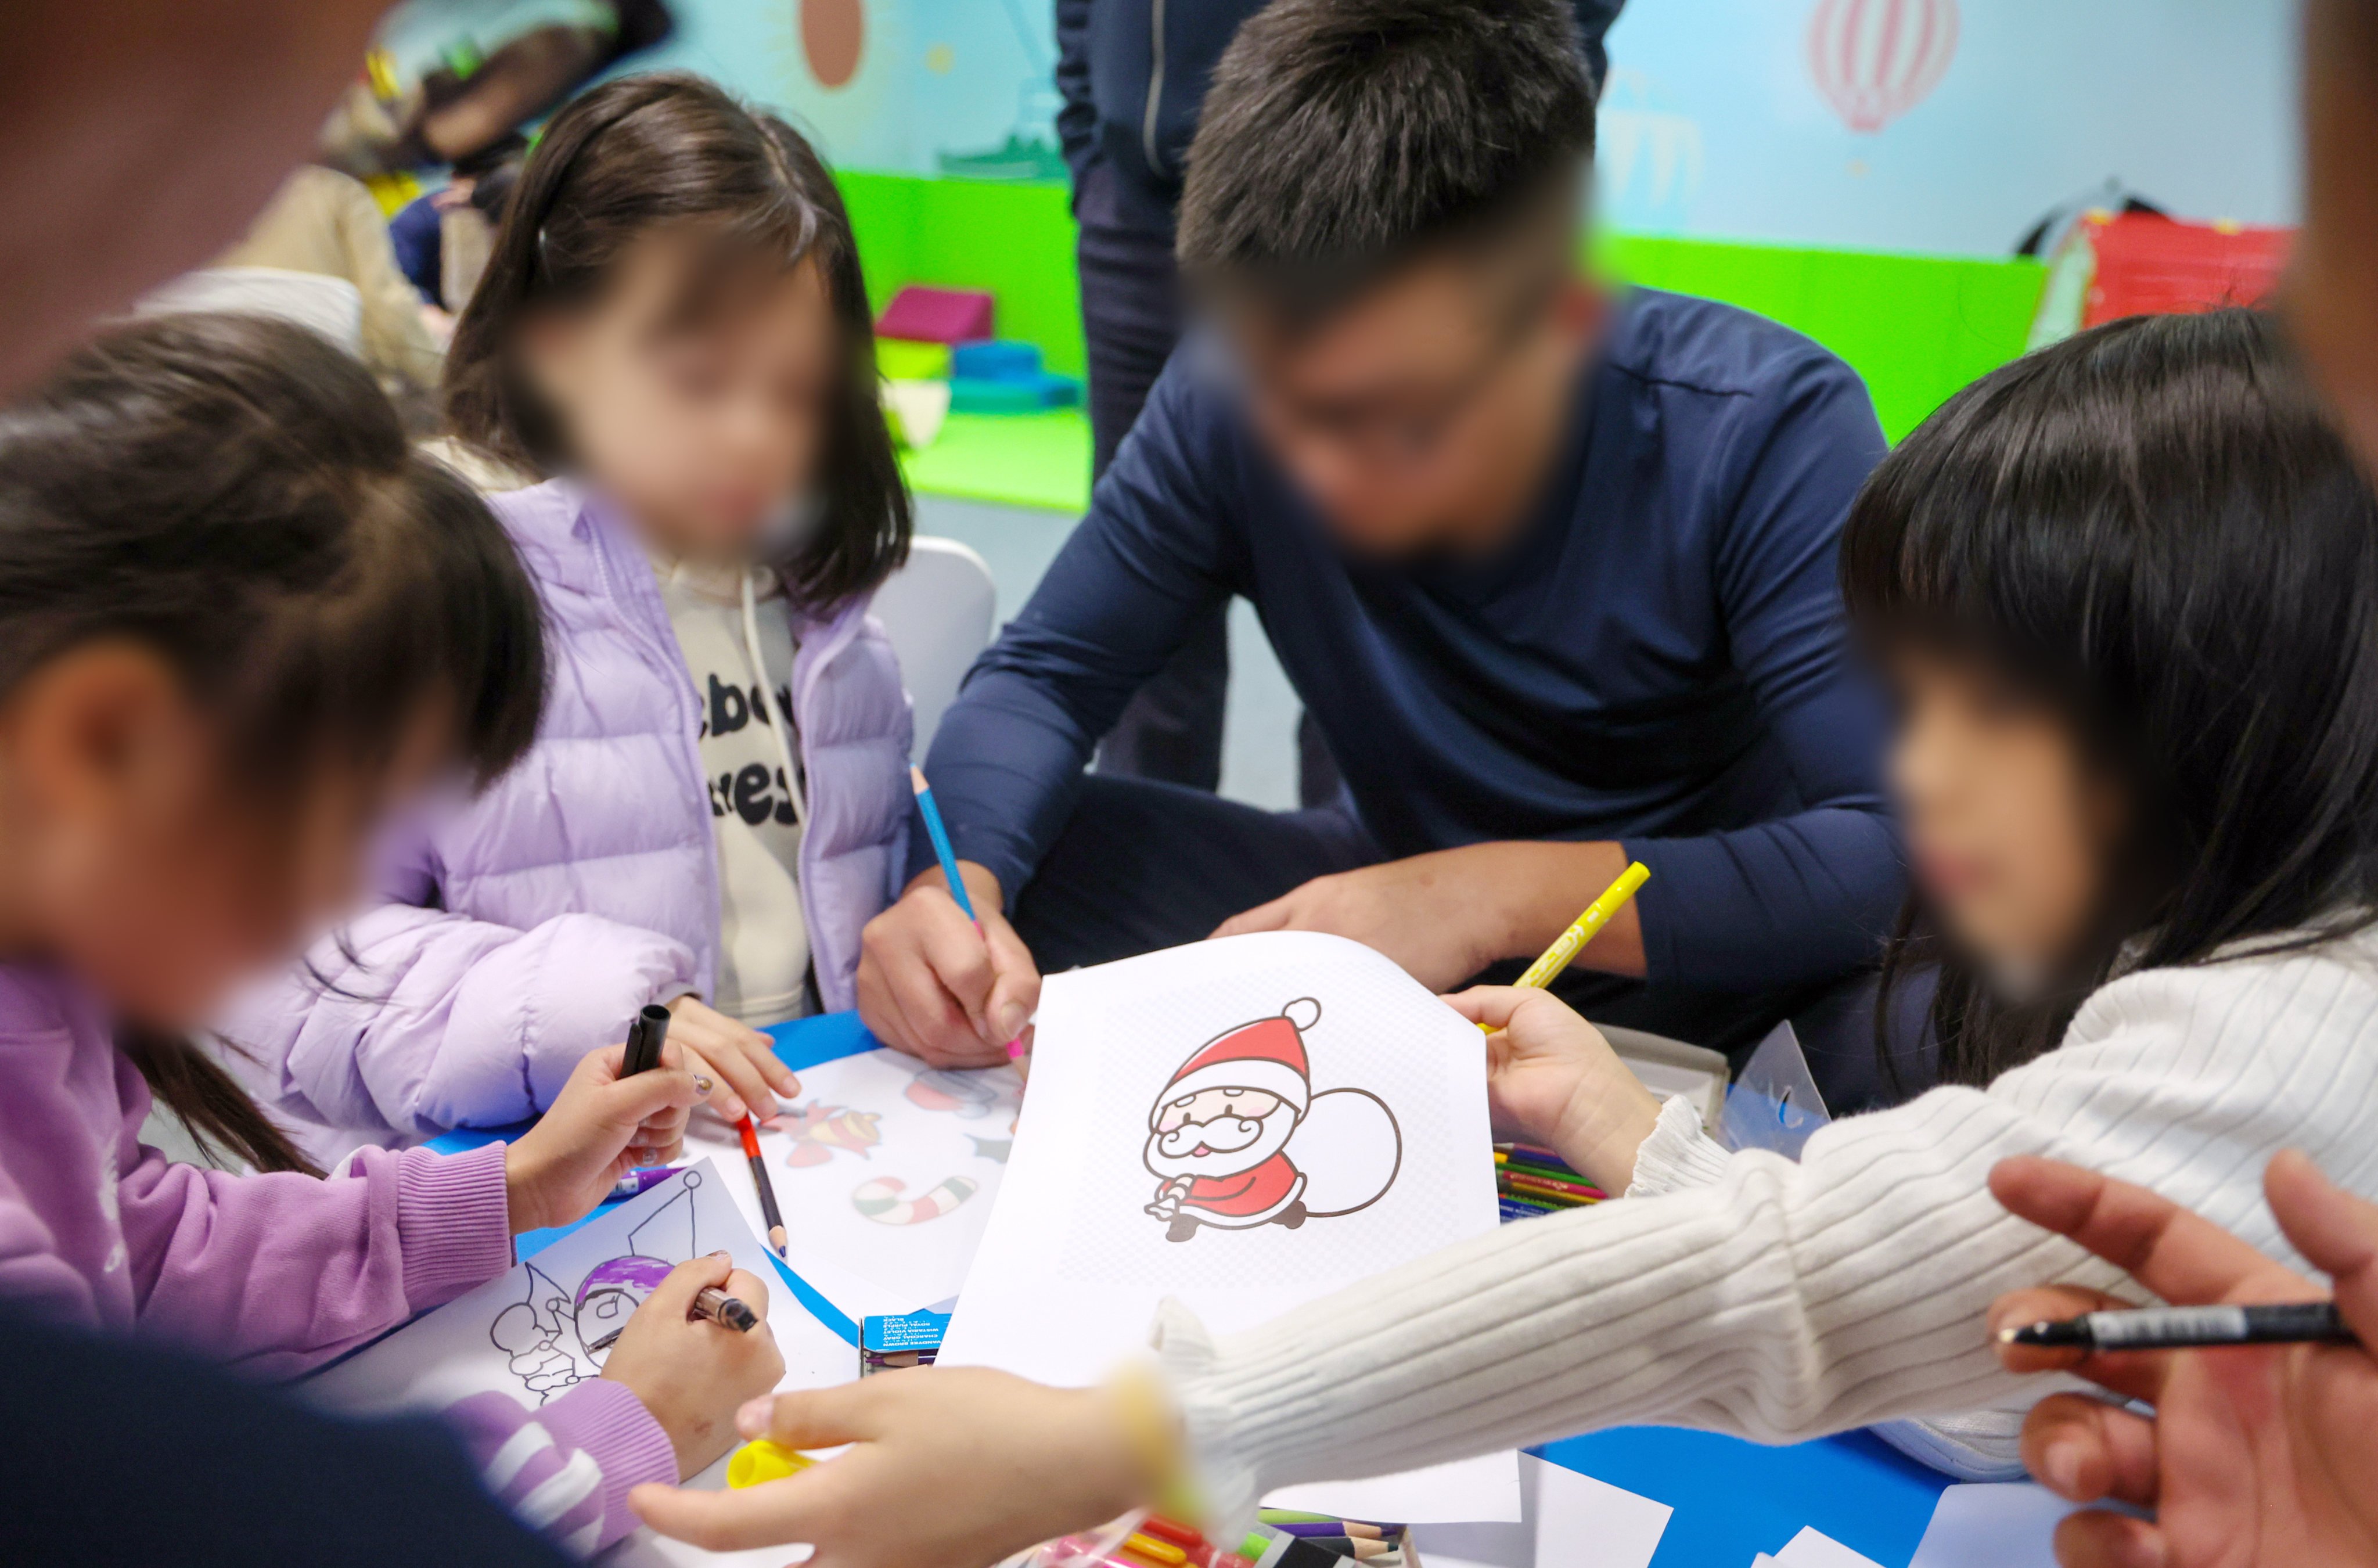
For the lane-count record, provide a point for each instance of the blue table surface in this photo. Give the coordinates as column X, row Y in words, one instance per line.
column 1732, row 1499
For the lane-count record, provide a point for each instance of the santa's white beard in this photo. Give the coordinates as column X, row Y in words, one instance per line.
column 1271, row 1135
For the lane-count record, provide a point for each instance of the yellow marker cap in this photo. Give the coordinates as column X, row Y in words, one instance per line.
column 1155, row 1550
column 760, row 1460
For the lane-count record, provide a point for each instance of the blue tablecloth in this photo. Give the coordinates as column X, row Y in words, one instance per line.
column 1732, row 1499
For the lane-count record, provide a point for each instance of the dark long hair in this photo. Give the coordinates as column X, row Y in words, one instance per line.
column 238, row 495
column 620, row 162
column 2152, row 530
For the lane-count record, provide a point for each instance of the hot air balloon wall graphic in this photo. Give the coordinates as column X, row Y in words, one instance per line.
column 1876, row 59
column 834, row 37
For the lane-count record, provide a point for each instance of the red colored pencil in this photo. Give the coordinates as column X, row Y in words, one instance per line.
column 776, row 1218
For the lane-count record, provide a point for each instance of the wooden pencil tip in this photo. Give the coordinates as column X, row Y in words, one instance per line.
column 916, row 779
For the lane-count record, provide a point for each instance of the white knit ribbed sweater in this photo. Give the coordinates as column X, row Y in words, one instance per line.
column 1742, row 1293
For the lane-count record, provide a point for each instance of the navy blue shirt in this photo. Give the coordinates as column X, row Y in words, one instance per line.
column 1658, row 656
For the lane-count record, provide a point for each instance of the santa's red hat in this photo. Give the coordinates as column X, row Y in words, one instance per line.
column 1267, row 1054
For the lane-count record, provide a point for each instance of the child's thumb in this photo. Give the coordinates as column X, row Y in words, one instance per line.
column 1489, row 1006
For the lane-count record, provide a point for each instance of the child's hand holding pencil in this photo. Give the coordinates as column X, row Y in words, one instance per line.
column 1555, row 1081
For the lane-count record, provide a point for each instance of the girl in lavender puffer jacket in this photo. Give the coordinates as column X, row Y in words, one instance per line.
column 674, row 319
column 240, row 621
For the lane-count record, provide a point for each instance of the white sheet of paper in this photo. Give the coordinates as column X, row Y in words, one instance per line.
column 1813, row 1549
column 1576, row 1515
column 1390, row 1160
column 526, row 1335
column 2009, row 1525
column 884, row 1170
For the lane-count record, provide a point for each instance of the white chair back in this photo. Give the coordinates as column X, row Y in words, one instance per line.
column 937, row 610
column 331, row 306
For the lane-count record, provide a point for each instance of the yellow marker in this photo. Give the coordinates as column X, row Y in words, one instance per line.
column 760, row 1460
column 1154, row 1550
column 1597, row 915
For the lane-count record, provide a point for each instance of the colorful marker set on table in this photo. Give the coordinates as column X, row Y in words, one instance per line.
column 949, row 859
column 1283, row 1540
column 1532, row 1181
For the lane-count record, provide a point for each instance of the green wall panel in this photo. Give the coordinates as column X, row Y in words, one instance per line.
column 1915, row 327
column 1015, row 240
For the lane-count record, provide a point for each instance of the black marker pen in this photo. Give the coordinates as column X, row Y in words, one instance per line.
column 2189, row 1328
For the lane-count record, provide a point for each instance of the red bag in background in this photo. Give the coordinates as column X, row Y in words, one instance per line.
column 2135, row 263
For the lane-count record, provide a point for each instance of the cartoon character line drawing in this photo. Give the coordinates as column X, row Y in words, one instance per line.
column 1238, row 1139
column 961, row 1094
column 556, row 1338
column 880, row 1199
column 818, row 1129
column 536, row 1334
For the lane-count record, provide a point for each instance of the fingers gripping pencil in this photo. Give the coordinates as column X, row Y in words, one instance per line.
column 944, row 852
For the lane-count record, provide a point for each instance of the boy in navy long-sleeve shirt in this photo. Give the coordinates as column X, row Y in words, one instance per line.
column 1554, row 574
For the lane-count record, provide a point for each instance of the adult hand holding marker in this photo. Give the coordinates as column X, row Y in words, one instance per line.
column 1010, row 1027
column 2256, row 1452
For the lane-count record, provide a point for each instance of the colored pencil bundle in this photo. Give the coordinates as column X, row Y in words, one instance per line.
column 1530, row 1181
column 1310, row 1536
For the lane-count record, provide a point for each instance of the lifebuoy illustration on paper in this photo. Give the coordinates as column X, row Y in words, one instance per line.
column 881, row 1200
column 1238, row 1139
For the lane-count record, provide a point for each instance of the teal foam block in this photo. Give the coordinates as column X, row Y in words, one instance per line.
column 1735, row 1499
column 971, row 394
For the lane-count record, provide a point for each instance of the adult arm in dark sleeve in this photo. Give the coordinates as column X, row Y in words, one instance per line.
column 1156, row 551
column 1810, row 895
column 1078, row 119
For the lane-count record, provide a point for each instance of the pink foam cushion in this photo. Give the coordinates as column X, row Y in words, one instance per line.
column 936, row 315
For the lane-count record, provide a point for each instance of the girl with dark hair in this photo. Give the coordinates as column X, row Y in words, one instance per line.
column 2127, row 588
column 240, row 622
column 673, row 338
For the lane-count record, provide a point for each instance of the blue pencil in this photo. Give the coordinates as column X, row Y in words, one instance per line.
column 941, row 837
column 949, row 859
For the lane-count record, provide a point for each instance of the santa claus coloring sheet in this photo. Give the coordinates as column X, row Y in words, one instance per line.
column 1219, row 1132
column 1246, row 1125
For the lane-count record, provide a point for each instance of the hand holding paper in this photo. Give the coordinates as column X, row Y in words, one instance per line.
column 1246, row 1125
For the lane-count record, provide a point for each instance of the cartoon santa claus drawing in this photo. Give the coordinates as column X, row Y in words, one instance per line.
column 1238, row 1139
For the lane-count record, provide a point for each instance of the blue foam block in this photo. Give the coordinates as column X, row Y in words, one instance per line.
column 999, row 359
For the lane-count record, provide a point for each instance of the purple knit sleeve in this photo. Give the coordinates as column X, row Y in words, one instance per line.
column 567, row 1469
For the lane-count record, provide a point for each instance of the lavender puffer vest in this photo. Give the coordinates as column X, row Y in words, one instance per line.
column 524, row 929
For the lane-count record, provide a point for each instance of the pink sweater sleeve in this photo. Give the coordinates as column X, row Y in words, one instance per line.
column 281, row 1272
column 565, row 1469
